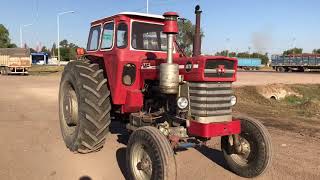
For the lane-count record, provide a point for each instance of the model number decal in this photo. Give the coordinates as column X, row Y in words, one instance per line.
column 149, row 66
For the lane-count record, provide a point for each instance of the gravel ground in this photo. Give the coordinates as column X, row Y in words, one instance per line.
column 32, row 147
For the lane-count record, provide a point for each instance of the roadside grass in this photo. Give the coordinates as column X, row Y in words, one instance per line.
column 265, row 68
column 308, row 102
column 298, row 113
column 45, row 69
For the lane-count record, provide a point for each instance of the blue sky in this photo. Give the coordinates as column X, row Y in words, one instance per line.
column 262, row 25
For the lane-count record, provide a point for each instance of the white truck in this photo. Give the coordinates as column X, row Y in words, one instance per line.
column 14, row 61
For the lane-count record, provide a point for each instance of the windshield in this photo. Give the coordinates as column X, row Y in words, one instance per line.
column 146, row 36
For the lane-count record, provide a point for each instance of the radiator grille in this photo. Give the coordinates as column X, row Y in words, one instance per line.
column 212, row 65
column 210, row 99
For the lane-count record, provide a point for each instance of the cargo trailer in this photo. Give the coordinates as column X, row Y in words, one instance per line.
column 14, row 61
column 249, row 63
column 295, row 62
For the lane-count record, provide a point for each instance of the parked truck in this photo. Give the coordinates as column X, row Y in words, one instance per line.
column 249, row 63
column 14, row 61
column 295, row 62
column 134, row 72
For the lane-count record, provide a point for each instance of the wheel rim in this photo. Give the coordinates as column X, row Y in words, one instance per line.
column 247, row 153
column 70, row 107
column 141, row 163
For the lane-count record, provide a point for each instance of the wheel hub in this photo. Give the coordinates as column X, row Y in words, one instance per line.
column 70, row 107
column 242, row 156
column 143, row 163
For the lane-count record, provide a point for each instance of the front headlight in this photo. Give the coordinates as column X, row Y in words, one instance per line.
column 182, row 102
column 233, row 100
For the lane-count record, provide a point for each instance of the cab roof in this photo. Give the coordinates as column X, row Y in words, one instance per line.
column 156, row 16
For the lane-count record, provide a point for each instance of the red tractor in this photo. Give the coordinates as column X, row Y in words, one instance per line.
column 134, row 71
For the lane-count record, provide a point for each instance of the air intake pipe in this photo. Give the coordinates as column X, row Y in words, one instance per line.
column 169, row 72
column 197, row 35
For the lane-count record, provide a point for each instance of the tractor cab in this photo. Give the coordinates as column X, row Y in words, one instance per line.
column 139, row 33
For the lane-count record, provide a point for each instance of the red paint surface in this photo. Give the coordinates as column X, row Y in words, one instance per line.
column 214, row 129
column 115, row 59
column 134, row 101
column 170, row 26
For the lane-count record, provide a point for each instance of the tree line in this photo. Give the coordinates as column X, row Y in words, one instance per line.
column 184, row 39
column 67, row 49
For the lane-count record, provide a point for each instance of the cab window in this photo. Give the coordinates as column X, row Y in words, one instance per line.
column 107, row 36
column 94, row 36
column 122, row 35
column 147, row 36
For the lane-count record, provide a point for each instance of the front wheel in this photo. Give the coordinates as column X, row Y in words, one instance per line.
column 255, row 153
column 150, row 156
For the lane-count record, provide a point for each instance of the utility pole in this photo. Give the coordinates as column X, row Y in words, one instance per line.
column 58, row 29
column 21, row 33
column 147, row 6
column 227, row 45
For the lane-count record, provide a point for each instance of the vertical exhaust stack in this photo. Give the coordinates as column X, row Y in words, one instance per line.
column 197, row 36
column 169, row 72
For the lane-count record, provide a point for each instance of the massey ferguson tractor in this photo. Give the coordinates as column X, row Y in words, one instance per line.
column 133, row 71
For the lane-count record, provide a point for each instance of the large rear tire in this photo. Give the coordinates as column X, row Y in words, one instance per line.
column 256, row 154
column 84, row 106
column 150, row 156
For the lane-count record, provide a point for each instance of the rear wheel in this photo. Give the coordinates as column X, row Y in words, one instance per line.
column 150, row 156
column 4, row 71
column 281, row 69
column 84, row 106
column 256, row 150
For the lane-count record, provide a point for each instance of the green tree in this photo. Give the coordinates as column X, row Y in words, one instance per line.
column 54, row 50
column 293, row 51
column 64, row 43
column 46, row 50
column 226, row 53
column 5, row 41
column 186, row 35
column 316, row 51
column 67, row 50
column 222, row 53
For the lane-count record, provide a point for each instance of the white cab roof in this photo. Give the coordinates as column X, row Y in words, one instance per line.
column 136, row 14
column 143, row 14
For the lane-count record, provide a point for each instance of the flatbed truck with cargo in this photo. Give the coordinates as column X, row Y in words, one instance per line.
column 295, row 62
column 14, row 61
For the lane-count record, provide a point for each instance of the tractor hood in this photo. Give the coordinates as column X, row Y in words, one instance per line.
column 196, row 69
column 208, row 68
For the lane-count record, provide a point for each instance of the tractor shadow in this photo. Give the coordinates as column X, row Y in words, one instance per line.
column 214, row 155
column 121, row 159
column 120, row 130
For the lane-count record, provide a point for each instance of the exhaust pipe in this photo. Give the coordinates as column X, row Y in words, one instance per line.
column 197, row 36
column 169, row 72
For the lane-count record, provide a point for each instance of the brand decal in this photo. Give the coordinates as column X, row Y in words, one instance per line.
column 221, row 69
column 188, row 66
column 145, row 65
